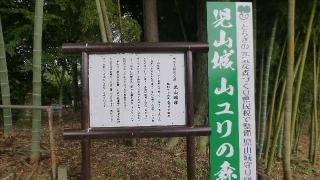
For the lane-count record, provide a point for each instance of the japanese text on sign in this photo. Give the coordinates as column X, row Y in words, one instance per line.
column 231, row 88
column 137, row 89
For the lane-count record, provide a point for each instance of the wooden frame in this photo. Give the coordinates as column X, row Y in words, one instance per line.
column 86, row 133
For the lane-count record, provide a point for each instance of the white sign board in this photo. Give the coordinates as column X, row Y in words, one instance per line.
column 132, row 89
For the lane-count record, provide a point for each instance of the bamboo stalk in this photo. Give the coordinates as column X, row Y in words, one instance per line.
column 315, row 106
column 318, row 70
column 106, row 20
column 280, row 112
column 36, row 94
column 289, row 90
column 101, row 22
column 280, row 144
column 276, row 136
column 301, row 70
column 266, row 89
column 260, row 97
column 120, row 21
column 5, row 90
column 300, row 124
column 311, row 143
column 274, row 93
column 296, row 67
column 281, row 99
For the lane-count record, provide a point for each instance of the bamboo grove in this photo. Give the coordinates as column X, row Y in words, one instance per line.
column 289, row 107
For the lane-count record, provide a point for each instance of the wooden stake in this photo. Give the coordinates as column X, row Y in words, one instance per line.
column 52, row 144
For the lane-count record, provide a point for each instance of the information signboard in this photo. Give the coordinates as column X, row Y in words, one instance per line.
column 231, row 91
column 137, row 89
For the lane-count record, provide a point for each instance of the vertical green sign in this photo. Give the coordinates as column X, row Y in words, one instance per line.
column 231, row 91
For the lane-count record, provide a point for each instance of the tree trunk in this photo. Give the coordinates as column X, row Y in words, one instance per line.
column 288, row 110
column 182, row 27
column 5, row 90
column 150, row 17
column 201, row 76
column 36, row 93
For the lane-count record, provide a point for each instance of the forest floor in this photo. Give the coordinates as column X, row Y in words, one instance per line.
column 116, row 159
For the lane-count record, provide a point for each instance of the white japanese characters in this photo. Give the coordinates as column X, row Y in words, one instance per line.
column 226, row 172
column 224, row 44
column 231, row 91
column 222, row 18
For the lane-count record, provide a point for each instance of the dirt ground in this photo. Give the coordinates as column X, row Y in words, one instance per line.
column 116, row 159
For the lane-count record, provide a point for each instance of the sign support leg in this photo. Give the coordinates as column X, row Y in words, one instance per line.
column 85, row 144
column 190, row 121
column 190, row 157
column 85, row 150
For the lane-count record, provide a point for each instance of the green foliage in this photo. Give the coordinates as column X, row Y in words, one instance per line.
column 87, row 20
column 63, row 21
column 131, row 31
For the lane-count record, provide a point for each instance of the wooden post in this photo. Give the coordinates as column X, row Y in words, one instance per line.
column 51, row 133
column 52, row 144
column 190, row 121
column 85, row 144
